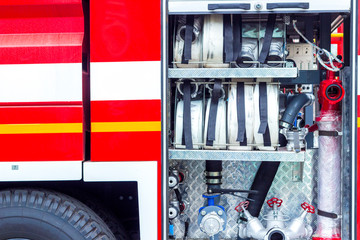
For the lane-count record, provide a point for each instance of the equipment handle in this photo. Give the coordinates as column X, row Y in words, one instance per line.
column 273, row 201
column 243, row 6
column 307, row 207
column 242, row 206
column 301, row 5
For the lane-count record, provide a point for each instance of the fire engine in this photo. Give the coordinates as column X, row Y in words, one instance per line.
column 179, row 119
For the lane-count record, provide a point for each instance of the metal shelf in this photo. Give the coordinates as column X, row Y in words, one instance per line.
column 232, row 73
column 252, row 7
column 250, row 156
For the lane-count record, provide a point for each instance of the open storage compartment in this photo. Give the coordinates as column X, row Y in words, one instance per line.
column 254, row 106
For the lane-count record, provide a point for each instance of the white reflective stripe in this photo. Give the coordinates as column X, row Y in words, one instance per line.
column 41, row 82
column 125, row 80
column 40, row 171
column 145, row 173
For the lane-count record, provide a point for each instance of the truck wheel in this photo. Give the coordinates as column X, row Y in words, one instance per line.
column 43, row 215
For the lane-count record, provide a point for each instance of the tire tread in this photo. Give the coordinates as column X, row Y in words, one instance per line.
column 71, row 211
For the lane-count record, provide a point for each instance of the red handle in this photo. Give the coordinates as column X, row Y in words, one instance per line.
column 239, row 208
column 273, row 201
column 307, row 207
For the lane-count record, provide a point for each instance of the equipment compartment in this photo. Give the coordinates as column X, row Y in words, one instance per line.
column 243, row 93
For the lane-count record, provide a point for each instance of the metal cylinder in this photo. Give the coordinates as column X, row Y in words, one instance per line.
column 329, row 176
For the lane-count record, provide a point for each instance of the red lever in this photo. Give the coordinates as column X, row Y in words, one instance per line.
column 239, row 208
column 273, row 201
column 307, row 207
column 312, row 128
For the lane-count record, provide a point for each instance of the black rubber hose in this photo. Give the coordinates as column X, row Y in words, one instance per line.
column 213, row 175
column 213, row 166
column 294, row 107
column 262, row 183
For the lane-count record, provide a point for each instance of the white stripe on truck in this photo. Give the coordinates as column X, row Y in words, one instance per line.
column 125, row 80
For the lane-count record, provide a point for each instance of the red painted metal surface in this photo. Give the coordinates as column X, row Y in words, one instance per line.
column 125, row 30
column 40, row 114
column 126, row 146
column 41, row 147
column 125, row 111
column 36, row 32
column 320, row 238
column 339, row 41
column 41, row 31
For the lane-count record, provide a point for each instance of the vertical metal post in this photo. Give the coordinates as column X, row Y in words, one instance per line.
column 309, row 120
column 349, row 76
column 164, row 136
column 353, row 120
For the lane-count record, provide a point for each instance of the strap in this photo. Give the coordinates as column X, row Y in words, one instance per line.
column 267, row 38
column 327, row 214
column 297, row 141
column 263, row 105
column 189, row 28
column 187, row 115
column 237, row 31
column 228, row 39
column 240, row 107
column 329, row 133
column 216, row 94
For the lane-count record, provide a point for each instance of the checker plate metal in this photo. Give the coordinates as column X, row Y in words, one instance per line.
column 232, row 73
column 239, row 175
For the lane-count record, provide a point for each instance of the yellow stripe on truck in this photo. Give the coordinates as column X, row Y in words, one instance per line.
column 78, row 127
column 358, row 122
column 339, row 35
column 126, row 126
column 41, row 128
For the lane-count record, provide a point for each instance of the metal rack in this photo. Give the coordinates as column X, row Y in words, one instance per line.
column 233, row 73
column 226, row 155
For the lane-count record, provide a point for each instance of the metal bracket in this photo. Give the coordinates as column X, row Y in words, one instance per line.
column 297, row 171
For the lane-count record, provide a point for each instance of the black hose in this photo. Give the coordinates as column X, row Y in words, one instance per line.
column 186, row 229
column 213, row 166
column 294, row 107
column 213, row 175
column 262, row 183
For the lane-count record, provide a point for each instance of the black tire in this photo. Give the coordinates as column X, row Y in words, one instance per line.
column 44, row 215
column 114, row 224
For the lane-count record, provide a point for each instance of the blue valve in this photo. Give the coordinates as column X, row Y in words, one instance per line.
column 211, row 201
column 211, row 213
column 171, row 230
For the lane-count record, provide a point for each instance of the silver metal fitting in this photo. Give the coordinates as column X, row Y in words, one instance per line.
column 212, row 224
column 212, row 220
column 275, row 227
column 258, row 6
column 295, row 138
